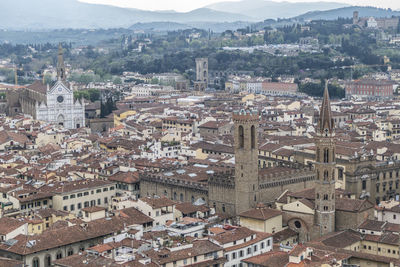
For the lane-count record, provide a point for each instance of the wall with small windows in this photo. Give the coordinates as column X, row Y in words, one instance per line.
column 76, row 200
column 388, row 250
column 385, row 215
column 237, row 251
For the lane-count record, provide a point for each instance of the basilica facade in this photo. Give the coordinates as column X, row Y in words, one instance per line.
column 51, row 103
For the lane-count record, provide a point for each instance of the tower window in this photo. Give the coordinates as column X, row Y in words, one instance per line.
column 364, row 184
column 326, row 175
column 253, row 137
column 241, row 136
column 326, row 197
column 326, row 155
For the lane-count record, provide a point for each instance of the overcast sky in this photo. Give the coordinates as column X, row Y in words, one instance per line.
column 187, row 5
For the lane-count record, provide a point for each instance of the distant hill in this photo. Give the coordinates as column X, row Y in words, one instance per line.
column 173, row 26
column 266, row 9
column 347, row 12
column 159, row 26
column 56, row 14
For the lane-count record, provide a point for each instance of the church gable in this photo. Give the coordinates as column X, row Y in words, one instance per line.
column 299, row 207
column 59, row 88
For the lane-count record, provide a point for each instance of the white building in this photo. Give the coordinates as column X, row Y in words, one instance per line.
column 61, row 108
column 241, row 243
column 54, row 104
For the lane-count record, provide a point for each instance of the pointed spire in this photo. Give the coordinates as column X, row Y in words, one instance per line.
column 60, row 64
column 325, row 115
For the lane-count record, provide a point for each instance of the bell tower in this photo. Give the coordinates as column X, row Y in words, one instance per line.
column 325, row 167
column 246, row 159
column 60, row 64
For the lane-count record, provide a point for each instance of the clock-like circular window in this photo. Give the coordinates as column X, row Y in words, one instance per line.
column 60, row 99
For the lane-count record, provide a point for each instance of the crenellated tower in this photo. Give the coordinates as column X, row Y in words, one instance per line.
column 325, row 164
column 246, row 159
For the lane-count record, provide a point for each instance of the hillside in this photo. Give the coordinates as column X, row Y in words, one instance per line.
column 50, row 14
column 347, row 12
column 265, row 9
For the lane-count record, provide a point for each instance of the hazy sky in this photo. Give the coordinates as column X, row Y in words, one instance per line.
column 187, row 5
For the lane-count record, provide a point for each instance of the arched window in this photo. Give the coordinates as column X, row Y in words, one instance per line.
column 70, row 252
column 35, row 262
column 59, row 254
column 181, row 197
column 174, row 195
column 326, row 175
column 47, row 260
column 326, row 197
column 192, row 199
column 317, row 196
column 326, row 155
column 165, row 193
column 253, row 137
column 223, row 207
column 241, row 136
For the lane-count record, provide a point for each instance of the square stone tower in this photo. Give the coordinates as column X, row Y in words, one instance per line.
column 246, row 159
column 201, row 73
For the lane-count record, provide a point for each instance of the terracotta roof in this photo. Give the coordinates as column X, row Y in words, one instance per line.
column 6, row 262
column 283, row 235
column 135, row 216
column 8, row 225
column 93, row 209
column 352, row 205
column 125, row 177
column 213, row 124
column 187, row 208
column 49, row 239
column 85, row 260
column 233, row 235
column 38, row 86
column 261, row 213
column 341, row 239
column 157, row 203
column 269, row 259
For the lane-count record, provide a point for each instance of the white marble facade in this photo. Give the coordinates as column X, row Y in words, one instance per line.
column 60, row 107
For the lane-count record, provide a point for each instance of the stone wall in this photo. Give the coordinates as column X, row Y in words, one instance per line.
column 100, row 125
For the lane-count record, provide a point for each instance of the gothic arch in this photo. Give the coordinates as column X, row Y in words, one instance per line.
column 241, row 136
column 35, row 262
column 326, row 155
column 47, row 260
column 253, row 137
column 326, row 175
column 60, row 119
